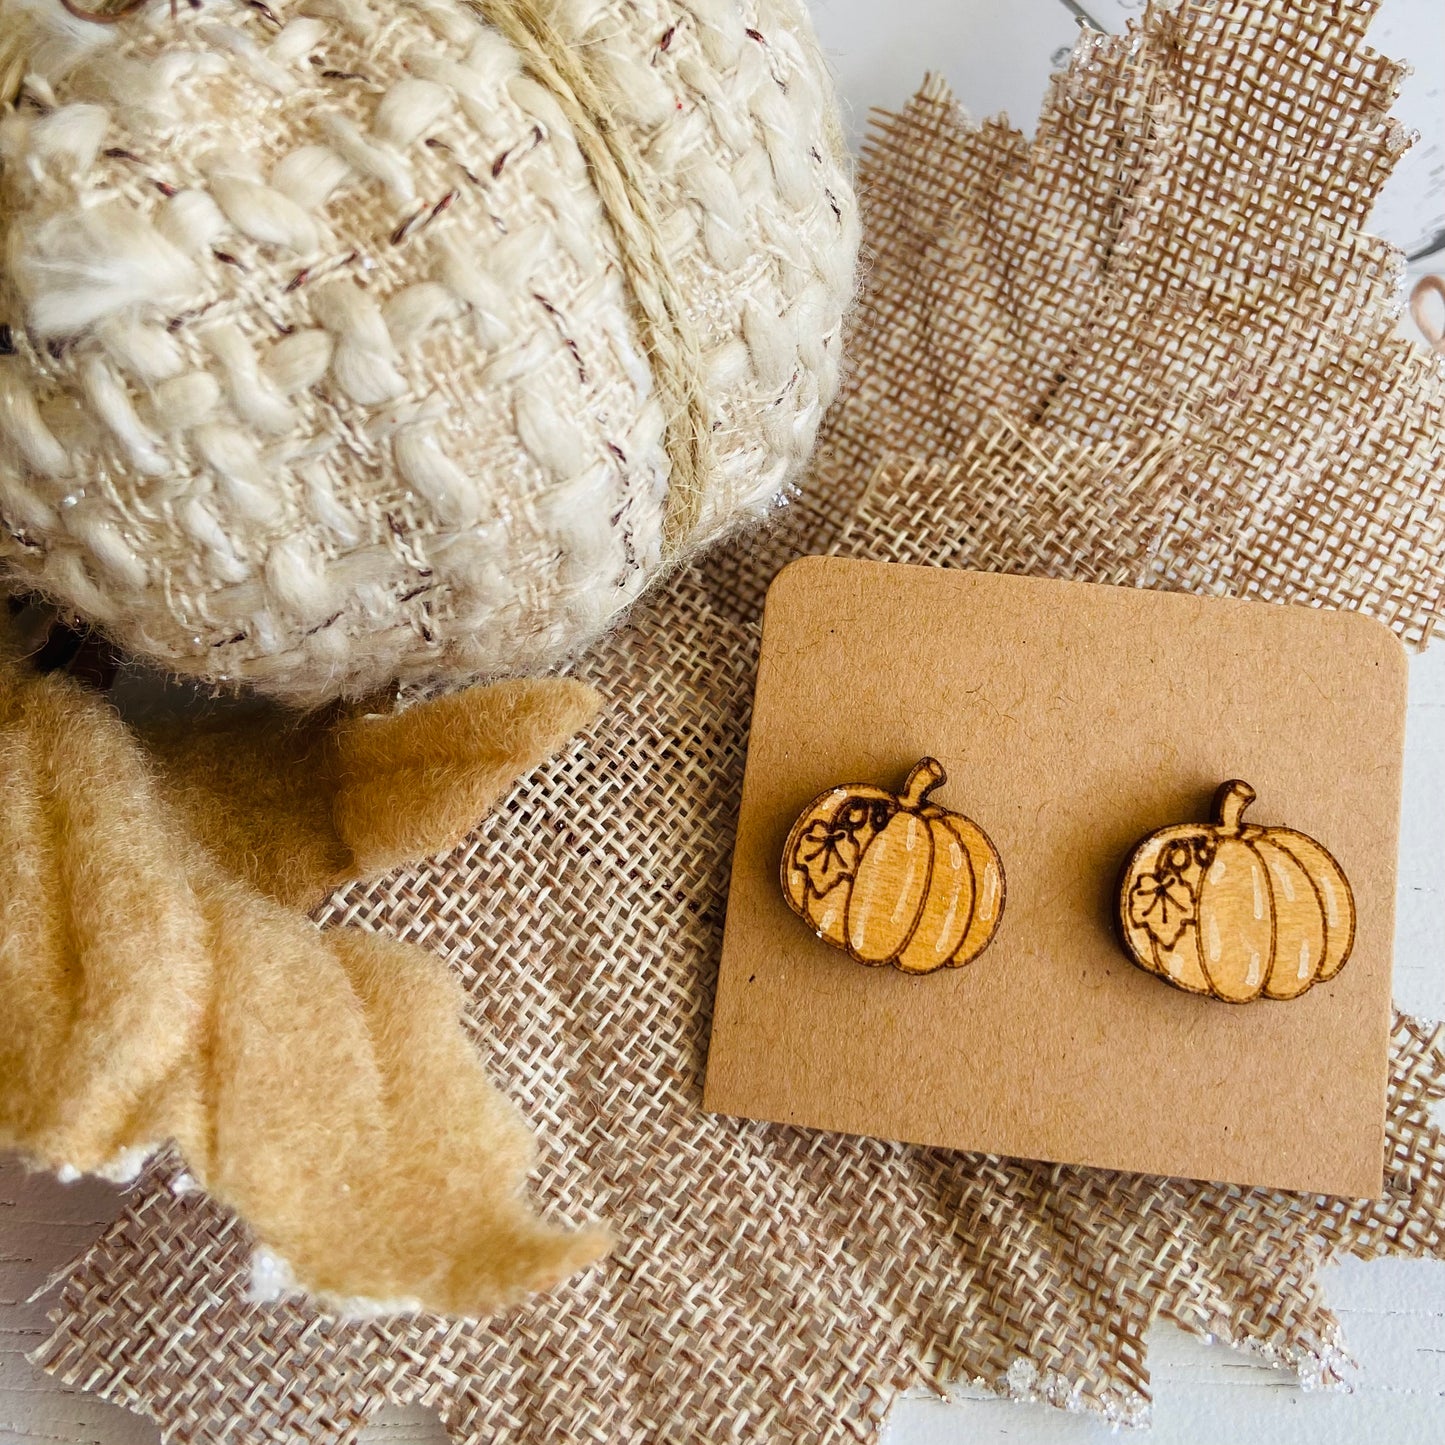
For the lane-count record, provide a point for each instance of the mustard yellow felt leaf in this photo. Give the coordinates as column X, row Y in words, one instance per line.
column 317, row 1081
column 300, row 803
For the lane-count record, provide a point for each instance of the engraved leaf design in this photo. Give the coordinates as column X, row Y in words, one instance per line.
column 1163, row 905
column 828, row 854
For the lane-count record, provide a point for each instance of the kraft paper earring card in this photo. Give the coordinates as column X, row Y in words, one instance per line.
column 1072, row 721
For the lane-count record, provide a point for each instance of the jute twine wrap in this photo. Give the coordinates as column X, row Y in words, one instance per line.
column 1057, row 370
column 624, row 190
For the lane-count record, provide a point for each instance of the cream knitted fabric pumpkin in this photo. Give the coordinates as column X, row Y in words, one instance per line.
column 359, row 340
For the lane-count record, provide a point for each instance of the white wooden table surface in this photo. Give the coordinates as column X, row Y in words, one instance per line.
column 997, row 54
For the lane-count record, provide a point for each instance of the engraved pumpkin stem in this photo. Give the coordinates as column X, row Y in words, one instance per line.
column 1230, row 802
column 924, row 778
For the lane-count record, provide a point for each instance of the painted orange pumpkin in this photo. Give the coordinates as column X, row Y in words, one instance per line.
column 892, row 878
column 1234, row 910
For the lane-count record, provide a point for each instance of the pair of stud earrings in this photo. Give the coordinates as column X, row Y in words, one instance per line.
column 1227, row 909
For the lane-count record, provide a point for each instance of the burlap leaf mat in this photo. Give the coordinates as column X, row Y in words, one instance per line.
column 1151, row 347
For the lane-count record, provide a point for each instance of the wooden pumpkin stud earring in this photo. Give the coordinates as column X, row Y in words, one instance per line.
column 892, row 878
column 1236, row 911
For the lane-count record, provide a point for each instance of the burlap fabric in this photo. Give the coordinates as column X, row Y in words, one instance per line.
column 1152, row 347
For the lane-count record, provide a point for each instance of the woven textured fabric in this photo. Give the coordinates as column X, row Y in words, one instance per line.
column 346, row 343
column 782, row 1284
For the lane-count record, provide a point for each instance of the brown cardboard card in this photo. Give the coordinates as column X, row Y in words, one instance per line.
column 1073, row 719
